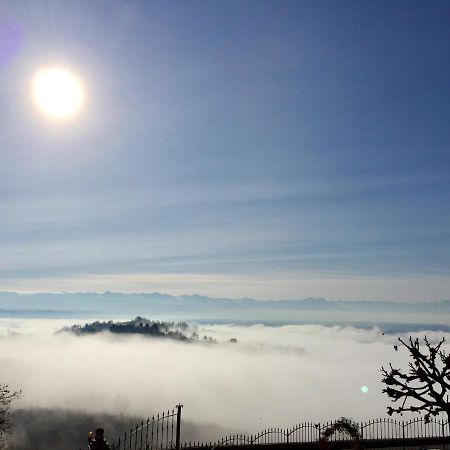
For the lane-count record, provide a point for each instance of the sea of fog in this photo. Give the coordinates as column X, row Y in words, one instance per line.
column 273, row 376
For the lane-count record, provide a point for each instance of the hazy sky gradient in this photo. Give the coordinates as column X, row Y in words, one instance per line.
column 303, row 143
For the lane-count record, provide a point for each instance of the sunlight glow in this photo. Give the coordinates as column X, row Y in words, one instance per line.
column 58, row 93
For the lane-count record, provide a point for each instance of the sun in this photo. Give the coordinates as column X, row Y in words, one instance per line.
column 58, row 92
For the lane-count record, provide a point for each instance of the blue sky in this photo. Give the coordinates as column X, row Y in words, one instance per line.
column 272, row 149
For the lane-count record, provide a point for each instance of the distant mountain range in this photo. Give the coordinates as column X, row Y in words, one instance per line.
column 389, row 317
column 157, row 303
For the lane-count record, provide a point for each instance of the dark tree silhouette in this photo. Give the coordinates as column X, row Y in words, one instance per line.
column 425, row 387
column 6, row 397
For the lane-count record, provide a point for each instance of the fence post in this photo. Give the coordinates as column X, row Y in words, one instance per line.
column 178, row 426
column 403, row 427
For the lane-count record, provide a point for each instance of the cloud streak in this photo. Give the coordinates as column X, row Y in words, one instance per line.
column 180, row 280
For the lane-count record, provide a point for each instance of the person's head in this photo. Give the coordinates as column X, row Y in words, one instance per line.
column 99, row 434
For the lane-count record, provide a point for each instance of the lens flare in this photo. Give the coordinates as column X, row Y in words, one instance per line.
column 364, row 389
column 58, row 93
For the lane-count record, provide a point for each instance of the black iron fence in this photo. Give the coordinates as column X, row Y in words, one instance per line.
column 309, row 432
column 162, row 432
column 159, row 432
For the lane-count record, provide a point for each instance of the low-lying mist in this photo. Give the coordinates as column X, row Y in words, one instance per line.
column 272, row 376
column 65, row 429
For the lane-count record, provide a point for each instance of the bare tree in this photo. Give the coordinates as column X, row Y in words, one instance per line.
column 6, row 397
column 425, row 387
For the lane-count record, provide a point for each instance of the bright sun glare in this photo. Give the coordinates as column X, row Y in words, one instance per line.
column 58, row 93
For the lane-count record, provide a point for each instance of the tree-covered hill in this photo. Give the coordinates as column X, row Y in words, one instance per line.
column 180, row 331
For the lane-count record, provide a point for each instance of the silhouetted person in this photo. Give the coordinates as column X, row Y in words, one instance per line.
column 98, row 442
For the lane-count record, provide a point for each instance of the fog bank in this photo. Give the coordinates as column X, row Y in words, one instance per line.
column 273, row 376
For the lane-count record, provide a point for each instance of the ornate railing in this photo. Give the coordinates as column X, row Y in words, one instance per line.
column 159, row 432
column 309, row 432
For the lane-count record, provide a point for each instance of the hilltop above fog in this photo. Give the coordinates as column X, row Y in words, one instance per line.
column 180, row 331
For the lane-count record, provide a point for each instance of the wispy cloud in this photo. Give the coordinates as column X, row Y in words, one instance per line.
column 287, row 285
